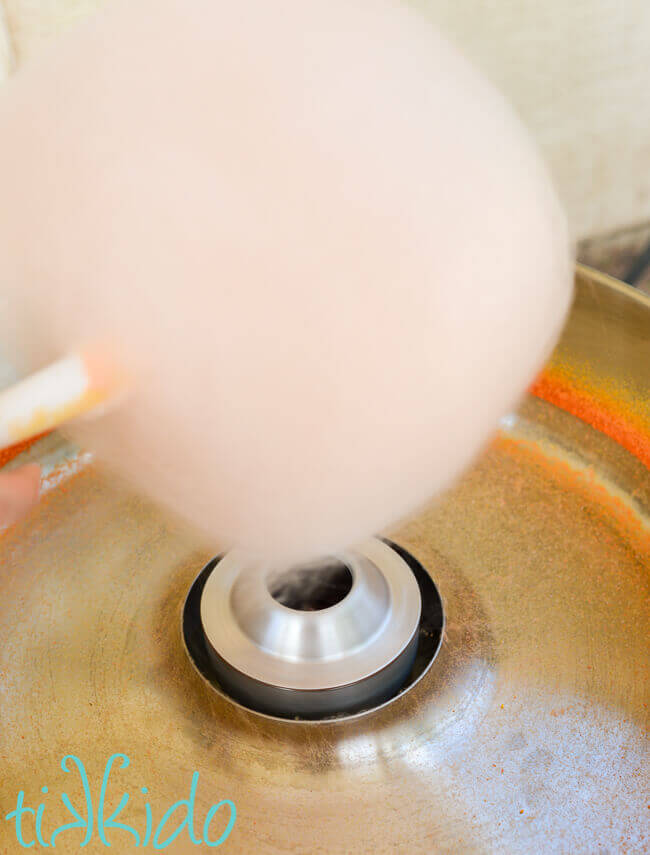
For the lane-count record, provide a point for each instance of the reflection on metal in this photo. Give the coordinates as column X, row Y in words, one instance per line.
column 526, row 734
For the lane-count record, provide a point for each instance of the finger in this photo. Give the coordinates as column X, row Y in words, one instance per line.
column 19, row 492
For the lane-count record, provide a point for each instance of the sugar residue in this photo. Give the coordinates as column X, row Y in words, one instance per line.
column 599, row 408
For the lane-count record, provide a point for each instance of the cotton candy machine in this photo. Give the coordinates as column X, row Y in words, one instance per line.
column 512, row 616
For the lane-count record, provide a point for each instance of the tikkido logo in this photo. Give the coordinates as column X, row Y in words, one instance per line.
column 30, row 831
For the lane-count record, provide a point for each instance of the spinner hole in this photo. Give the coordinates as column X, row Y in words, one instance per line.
column 312, row 587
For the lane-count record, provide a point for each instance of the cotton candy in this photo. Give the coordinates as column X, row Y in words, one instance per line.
column 322, row 243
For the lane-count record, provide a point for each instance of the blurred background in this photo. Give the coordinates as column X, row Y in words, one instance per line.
column 577, row 73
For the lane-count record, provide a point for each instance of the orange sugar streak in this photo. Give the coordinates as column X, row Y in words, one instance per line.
column 615, row 511
column 7, row 454
column 606, row 416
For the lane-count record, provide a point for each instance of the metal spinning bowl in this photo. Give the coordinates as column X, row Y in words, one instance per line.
column 526, row 734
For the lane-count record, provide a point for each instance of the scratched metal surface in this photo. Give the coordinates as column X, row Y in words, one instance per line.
column 526, row 735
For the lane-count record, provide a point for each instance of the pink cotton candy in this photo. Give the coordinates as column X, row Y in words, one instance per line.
column 323, row 240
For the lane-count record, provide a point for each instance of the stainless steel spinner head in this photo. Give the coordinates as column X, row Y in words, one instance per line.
column 315, row 640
